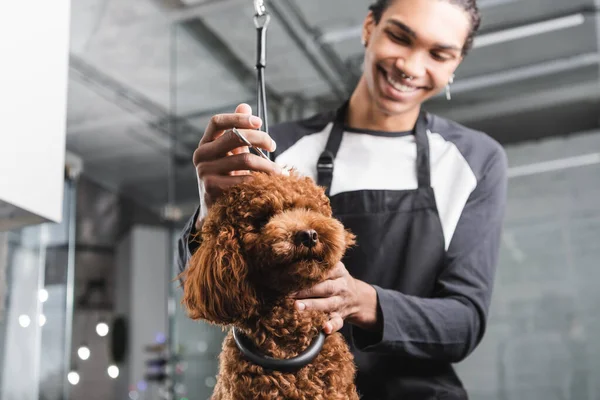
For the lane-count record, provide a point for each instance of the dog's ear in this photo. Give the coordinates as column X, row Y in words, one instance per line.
column 350, row 238
column 216, row 285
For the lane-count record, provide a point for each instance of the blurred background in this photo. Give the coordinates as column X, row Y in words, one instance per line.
column 90, row 304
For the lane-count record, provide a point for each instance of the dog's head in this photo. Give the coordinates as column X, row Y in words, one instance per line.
column 262, row 240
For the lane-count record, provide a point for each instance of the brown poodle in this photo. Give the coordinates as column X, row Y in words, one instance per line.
column 263, row 240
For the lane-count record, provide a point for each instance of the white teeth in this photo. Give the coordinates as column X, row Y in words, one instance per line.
column 399, row 86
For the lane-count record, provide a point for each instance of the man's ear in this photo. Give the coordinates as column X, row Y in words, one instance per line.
column 216, row 284
column 367, row 30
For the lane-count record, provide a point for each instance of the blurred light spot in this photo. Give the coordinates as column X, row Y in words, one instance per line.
column 202, row 346
column 102, row 329
column 84, row 352
column 24, row 321
column 161, row 338
column 142, row 386
column 113, row 371
column 210, row 382
column 73, row 378
column 43, row 295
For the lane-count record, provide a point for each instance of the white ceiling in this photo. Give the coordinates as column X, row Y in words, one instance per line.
column 136, row 63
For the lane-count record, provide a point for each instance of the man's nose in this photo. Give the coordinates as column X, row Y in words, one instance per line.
column 412, row 64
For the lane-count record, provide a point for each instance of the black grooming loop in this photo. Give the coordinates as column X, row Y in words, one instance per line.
column 284, row 365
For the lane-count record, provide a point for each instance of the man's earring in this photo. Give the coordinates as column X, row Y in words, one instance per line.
column 450, row 82
column 364, row 42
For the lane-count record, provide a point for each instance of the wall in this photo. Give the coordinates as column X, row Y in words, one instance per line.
column 123, row 301
column 34, row 358
column 21, row 343
column 141, row 294
column 35, row 54
column 33, row 329
column 107, row 242
column 543, row 337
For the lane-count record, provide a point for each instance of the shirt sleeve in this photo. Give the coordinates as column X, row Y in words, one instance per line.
column 185, row 246
column 450, row 324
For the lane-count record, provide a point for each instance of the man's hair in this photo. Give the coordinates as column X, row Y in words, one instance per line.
column 470, row 6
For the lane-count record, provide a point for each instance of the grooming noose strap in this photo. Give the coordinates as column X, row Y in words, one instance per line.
column 284, row 365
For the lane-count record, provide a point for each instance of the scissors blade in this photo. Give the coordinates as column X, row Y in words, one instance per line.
column 247, row 142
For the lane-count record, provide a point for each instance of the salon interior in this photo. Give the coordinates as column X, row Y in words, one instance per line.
column 106, row 101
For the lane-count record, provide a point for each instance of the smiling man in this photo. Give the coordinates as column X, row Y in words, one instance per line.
column 425, row 197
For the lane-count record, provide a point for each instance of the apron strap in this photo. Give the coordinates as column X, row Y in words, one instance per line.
column 327, row 157
column 423, row 164
column 325, row 164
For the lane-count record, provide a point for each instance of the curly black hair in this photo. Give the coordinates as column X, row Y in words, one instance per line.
column 470, row 6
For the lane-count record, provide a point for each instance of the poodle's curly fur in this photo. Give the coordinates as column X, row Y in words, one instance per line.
column 250, row 259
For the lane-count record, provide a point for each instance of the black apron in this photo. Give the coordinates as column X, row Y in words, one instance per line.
column 400, row 246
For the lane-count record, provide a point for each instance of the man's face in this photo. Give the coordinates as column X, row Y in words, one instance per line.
column 422, row 39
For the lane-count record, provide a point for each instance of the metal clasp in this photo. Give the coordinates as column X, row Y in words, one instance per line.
column 259, row 7
column 261, row 18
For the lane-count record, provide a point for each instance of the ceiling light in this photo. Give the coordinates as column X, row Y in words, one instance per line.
column 487, row 39
column 524, row 31
column 341, row 35
column 554, row 165
column 353, row 32
column 486, row 4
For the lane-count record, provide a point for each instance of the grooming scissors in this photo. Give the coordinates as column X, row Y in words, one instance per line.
column 250, row 145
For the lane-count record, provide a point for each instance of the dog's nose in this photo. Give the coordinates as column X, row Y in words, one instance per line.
column 307, row 238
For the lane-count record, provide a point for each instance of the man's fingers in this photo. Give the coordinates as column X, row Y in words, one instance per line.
column 215, row 184
column 221, row 122
column 237, row 162
column 337, row 272
column 334, row 324
column 243, row 109
column 329, row 304
column 240, row 150
column 229, row 141
column 323, row 289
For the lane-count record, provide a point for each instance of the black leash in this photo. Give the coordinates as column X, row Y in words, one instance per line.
column 261, row 21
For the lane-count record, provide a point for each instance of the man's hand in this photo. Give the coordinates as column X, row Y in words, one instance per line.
column 222, row 160
column 343, row 297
